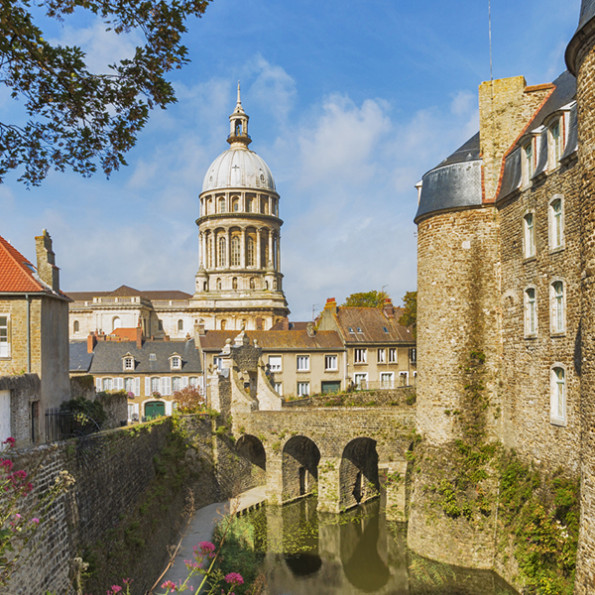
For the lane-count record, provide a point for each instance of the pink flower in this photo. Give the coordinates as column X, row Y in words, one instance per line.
column 234, row 578
column 116, row 588
column 35, row 520
column 206, row 547
column 169, row 585
column 10, row 441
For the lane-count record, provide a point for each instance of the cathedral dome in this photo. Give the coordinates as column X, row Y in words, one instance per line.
column 238, row 167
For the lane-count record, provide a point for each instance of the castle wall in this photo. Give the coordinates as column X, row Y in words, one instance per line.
column 528, row 358
column 458, row 313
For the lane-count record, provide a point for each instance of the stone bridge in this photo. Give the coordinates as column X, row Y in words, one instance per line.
column 345, row 455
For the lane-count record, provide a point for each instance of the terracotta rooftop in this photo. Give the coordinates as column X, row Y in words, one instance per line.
column 125, row 334
column 17, row 274
column 294, row 340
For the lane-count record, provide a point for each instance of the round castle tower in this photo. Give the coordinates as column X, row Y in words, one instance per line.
column 580, row 59
column 239, row 281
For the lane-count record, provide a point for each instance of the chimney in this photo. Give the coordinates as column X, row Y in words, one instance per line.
column 48, row 272
column 331, row 305
column 91, row 342
column 139, row 337
column 388, row 308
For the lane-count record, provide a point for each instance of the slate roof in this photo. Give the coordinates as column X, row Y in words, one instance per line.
column 585, row 28
column 126, row 291
column 293, row 340
column 370, row 325
column 107, row 357
column 18, row 275
column 80, row 359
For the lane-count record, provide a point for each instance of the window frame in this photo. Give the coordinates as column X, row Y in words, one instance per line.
column 393, row 355
column 557, row 308
column 391, row 379
column 7, row 335
column 360, row 355
column 333, row 357
column 381, row 355
column 529, row 236
column 555, row 145
column 359, row 379
column 275, row 369
column 303, row 358
column 558, row 397
column 175, row 362
column 128, row 363
column 530, row 314
column 300, row 386
column 528, row 161
column 554, row 225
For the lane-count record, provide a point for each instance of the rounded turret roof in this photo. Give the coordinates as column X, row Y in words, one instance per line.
column 238, row 167
column 586, row 24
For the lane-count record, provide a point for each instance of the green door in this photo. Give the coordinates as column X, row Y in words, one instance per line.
column 154, row 409
column 330, row 386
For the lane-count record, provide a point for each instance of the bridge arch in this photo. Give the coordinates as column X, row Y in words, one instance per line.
column 358, row 472
column 300, row 460
column 251, row 451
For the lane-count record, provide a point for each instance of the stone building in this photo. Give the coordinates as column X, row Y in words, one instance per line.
column 380, row 352
column 239, row 281
column 149, row 371
column 33, row 342
column 505, row 266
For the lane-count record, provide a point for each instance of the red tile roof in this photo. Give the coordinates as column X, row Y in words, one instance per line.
column 17, row 274
column 125, row 333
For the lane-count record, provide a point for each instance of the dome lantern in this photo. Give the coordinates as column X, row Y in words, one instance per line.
column 238, row 125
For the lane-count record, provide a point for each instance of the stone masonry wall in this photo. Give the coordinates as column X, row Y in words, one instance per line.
column 458, row 312
column 585, row 574
column 527, row 360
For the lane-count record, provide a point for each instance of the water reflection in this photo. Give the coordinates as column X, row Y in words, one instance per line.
column 306, row 553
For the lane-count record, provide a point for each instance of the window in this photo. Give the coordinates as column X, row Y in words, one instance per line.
column 361, row 380
column 303, row 363
column 250, row 251
column 175, row 362
column 193, row 381
column 222, row 205
column 154, row 385
column 528, row 163
column 558, row 315
column 4, row 336
column 221, row 254
column 248, row 205
column 351, row 329
column 116, row 323
column 180, row 325
column 129, row 385
column 529, row 235
column 413, row 355
column 176, row 383
column 382, row 356
column 556, row 224
column 558, row 396
column 160, row 325
column 303, row 389
column 385, row 329
column 235, row 204
column 76, row 326
column 387, row 380
column 107, row 384
column 275, row 363
column 217, row 363
column 152, row 357
column 128, row 362
column 555, row 144
column 330, row 362
column 359, row 330
column 392, row 355
column 235, row 251
column 530, row 312
column 360, row 355
column 404, row 378
column 278, row 388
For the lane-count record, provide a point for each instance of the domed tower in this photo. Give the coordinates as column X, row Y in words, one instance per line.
column 239, row 281
column 580, row 59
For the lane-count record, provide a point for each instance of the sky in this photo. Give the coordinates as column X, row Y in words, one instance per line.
column 349, row 104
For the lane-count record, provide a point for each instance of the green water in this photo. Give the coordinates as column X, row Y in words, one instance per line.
column 298, row 551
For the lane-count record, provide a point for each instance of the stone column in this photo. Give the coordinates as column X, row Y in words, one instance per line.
column 274, row 487
column 227, row 248
column 258, row 240
column 270, row 261
column 278, row 252
column 243, row 248
column 395, row 489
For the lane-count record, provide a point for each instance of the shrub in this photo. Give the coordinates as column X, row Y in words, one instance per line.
column 81, row 417
column 190, row 400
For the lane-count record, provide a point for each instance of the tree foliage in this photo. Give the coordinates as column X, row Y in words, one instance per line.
column 75, row 118
column 409, row 316
column 366, row 299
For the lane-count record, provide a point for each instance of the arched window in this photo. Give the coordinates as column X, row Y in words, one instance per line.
column 249, row 205
column 238, row 127
column 529, row 235
column 252, row 283
column 219, row 284
column 250, row 251
column 76, row 326
column 235, row 204
column 558, row 310
column 116, row 323
column 222, row 205
column 221, row 253
column 558, row 395
column 234, row 283
column 530, row 312
column 180, row 325
column 235, row 251
column 263, row 205
column 223, row 324
column 556, row 224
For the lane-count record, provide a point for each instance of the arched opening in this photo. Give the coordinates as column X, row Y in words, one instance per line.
column 252, row 461
column 234, row 283
column 180, row 325
column 76, row 326
column 358, row 473
column 116, row 323
column 300, row 467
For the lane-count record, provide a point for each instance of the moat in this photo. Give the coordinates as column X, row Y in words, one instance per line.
column 301, row 552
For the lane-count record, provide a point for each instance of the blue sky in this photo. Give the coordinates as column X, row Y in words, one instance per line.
column 349, row 104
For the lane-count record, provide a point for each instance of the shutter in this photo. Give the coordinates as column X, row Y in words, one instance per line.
column 167, row 385
column 167, row 407
column 98, row 384
column 185, row 381
column 137, row 387
column 147, row 386
column 120, row 383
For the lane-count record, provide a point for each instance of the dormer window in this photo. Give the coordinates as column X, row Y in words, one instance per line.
column 528, row 161
column 175, row 362
column 555, row 144
column 128, row 362
column 351, row 330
